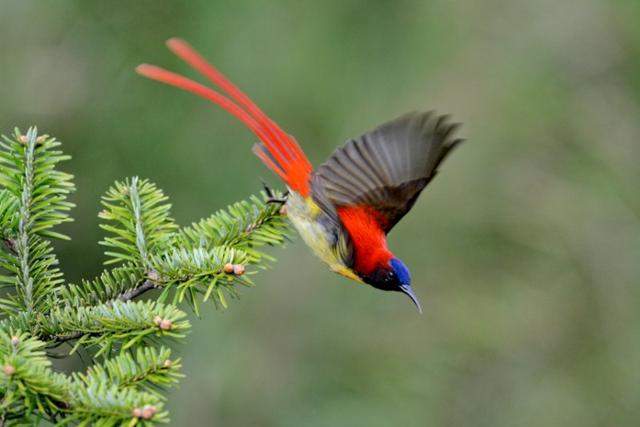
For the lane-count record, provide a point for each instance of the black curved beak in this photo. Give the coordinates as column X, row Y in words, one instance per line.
column 408, row 290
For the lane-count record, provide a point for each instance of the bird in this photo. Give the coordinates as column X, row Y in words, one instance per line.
column 345, row 208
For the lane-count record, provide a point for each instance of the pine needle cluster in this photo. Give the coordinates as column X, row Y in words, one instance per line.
column 41, row 314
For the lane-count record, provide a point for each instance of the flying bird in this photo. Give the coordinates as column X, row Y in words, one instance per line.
column 346, row 207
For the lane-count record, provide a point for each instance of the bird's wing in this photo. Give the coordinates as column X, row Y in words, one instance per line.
column 385, row 169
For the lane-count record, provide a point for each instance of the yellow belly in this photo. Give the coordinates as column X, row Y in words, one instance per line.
column 304, row 214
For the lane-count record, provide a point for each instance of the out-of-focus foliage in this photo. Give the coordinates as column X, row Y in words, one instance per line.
column 524, row 249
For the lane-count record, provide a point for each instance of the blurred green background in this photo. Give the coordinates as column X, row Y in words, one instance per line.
column 524, row 250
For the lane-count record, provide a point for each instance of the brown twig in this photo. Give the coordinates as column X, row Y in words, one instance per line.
column 147, row 285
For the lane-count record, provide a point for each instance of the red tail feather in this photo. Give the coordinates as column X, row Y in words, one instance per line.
column 285, row 157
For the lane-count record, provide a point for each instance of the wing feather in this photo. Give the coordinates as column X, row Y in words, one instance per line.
column 387, row 168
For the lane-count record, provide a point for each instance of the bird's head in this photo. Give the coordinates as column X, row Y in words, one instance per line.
column 393, row 276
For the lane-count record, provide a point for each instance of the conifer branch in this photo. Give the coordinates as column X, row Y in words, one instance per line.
column 112, row 284
column 117, row 323
column 145, row 251
column 246, row 225
column 34, row 192
column 120, row 390
column 202, row 271
column 138, row 221
column 22, row 241
column 149, row 370
column 27, row 383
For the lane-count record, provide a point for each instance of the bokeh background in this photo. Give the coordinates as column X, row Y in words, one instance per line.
column 525, row 249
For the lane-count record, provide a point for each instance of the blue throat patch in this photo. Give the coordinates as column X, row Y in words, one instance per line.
column 401, row 270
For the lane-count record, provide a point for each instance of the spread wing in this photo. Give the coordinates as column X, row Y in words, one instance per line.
column 387, row 168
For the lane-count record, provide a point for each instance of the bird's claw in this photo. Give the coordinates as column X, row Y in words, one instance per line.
column 271, row 198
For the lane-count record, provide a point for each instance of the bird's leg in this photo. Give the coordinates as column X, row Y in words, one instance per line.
column 271, row 198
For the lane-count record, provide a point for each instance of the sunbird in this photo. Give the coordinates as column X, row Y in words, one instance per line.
column 346, row 207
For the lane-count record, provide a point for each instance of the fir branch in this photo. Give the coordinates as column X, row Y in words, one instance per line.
column 202, row 271
column 27, row 384
column 122, row 283
column 122, row 390
column 245, row 225
column 207, row 259
column 117, row 283
column 43, row 272
column 33, row 275
column 19, row 322
column 24, row 223
column 150, row 370
column 124, row 324
column 193, row 260
column 27, row 172
column 102, row 404
column 138, row 220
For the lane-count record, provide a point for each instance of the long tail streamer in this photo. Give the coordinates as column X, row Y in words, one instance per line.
column 283, row 154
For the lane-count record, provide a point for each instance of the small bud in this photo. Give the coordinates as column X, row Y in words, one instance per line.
column 167, row 363
column 15, row 341
column 148, row 412
column 136, row 413
column 165, row 324
column 153, row 275
column 9, row 369
column 238, row 269
column 23, row 139
column 283, row 210
column 228, row 268
column 157, row 320
column 41, row 139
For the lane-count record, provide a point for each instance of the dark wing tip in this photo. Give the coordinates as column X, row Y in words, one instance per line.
column 388, row 167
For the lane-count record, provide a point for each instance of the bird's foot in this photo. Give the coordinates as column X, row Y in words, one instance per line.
column 271, row 197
